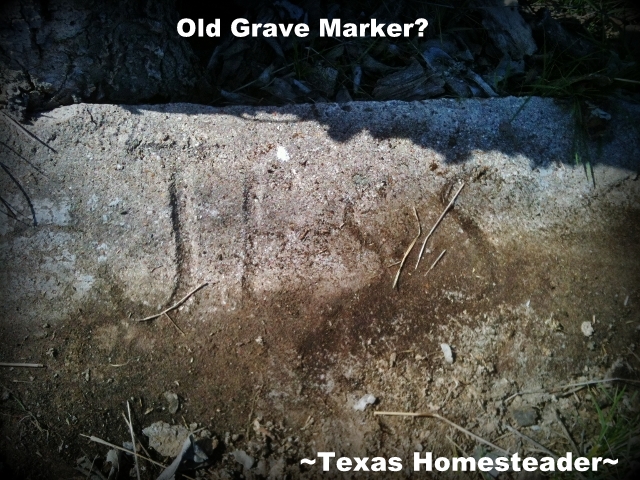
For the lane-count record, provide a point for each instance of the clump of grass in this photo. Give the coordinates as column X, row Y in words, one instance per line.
column 610, row 64
column 617, row 434
column 580, row 147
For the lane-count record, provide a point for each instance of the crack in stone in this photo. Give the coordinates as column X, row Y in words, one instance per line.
column 181, row 253
column 246, row 238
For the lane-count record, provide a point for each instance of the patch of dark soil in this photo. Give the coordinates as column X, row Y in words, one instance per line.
column 281, row 357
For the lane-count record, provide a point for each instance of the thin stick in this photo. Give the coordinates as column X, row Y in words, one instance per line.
column 424, row 244
column 604, row 380
column 408, row 251
column 174, row 323
column 633, row 353
column 139, row 443
column 103, row 442
column 184, row 299
column 22, row 158
column 22, row 190
column 91, row 469
column 435, row 263
column 536, row 444
column 90, row 472
column 11, row 212
column 254, row 81
column 253, row 406
column 627, row 80
column 531, row 441
column 118, row 365
column 22, row 365
column 570, row 385
column 463, row 452
column 23, row 129
column 133, row 439
column 566, row 433
column 449, row 422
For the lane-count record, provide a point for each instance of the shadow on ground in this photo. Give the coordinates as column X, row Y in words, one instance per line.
column 509, row 125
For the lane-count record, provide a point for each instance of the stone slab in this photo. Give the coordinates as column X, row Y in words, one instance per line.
column 137, row 205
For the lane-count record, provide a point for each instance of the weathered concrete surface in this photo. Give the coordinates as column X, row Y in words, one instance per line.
column 294, row 216
column 139, row 204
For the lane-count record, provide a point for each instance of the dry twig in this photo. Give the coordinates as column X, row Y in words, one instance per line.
column 531, row 441
column 27, row 132
column 139, row 442
column 23, row 191
column 173, row 307
column 133, row 439
column 449, row 422
column 537, row 445
column 424, row 243
column 436, row 262
column 579, row 386
column 111, row 445
column 174, row 323
column 408, row 251
column 118, row 365
column 566, row 433
column 22, row 365
column 26, row 160
column 91, row 471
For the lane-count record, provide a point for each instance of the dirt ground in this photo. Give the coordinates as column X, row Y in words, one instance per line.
column 278, row 377
column 493, row 306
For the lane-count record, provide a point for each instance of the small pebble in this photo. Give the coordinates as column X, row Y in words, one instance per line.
column 361, row 404
column 587, row 329
column 173, row 401
column 243, row 458
column 525, row 417
column 448, row 353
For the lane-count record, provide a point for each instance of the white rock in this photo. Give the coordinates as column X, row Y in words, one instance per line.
column 243, row 458
column 367, row 399
column 173, row 400
column 282, row 154
column 448, row 353
column 587, row 329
